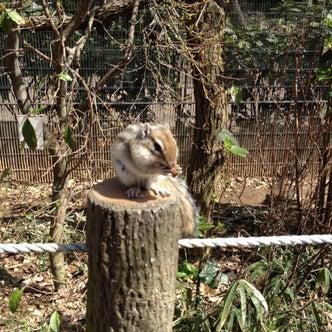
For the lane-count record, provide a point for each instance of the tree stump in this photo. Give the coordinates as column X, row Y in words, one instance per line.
column 133, row 258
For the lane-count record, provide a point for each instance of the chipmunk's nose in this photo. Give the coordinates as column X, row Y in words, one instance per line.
column 175, row 170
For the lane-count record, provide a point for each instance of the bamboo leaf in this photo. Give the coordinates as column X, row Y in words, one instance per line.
column 324, row 280
column 234, row 314
column 316, row 314
column 228, row 301
column 243, row 317
column 256, row 297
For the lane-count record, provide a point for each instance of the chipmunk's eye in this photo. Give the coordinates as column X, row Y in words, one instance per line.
column 157, row 147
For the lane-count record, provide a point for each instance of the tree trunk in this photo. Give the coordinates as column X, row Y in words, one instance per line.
column 207, row 157
column 14, row 71
column 133, row 256
column 324, row 186
column 59, row 149
column 60, row 200
column 235, row 14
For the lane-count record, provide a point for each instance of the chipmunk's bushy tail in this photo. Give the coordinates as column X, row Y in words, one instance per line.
column 189, row 212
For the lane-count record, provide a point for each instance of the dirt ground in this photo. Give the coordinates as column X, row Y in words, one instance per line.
column 24, row 218
column 244, row 191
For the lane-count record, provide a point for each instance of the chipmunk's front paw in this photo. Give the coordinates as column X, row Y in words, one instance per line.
column 133, row 192
column 160, row 190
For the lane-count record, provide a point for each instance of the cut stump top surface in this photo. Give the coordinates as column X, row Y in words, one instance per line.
column 112, row 192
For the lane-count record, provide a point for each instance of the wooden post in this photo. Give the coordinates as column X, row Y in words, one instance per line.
column 133, row 258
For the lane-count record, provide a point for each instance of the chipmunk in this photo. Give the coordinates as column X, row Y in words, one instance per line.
column 144, row 154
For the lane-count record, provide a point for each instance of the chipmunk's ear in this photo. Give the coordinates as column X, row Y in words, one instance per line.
column 145, row 130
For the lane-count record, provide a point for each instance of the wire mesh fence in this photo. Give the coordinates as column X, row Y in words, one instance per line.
column 272, row 52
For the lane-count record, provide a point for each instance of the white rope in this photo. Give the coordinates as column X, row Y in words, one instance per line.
column 183, row 243
column 15, row 248
column 256, row 241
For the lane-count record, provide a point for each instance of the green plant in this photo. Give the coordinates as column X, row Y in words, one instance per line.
column 243, row 308
column 192, row 308
column 295, row 290
column 54, row 324
column 15, row 299
column 231, row 144
column 284, row 289
column 5, row 175
column 203, row 226
column 240, row 306
column 8, row 17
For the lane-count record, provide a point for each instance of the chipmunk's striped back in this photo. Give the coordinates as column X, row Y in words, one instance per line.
column 144, row 154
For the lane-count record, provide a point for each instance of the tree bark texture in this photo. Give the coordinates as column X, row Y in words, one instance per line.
column 133, row 257
column 60, row 200
column 14, row 71
column 206, row 44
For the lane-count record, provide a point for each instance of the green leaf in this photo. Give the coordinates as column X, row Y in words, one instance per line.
column 29, row 134
column 204, row 225
column 39, row 109
column 226, row 136
column 68, row 137
column 230, row 142
column 234, row 314
column 187, row 270
column 316, row 313
column 15, row 299
column 236, row 95
column 209, row 273
column 256, row 297
column 238, row 151
column 65, row 77
column 324, row 280
column 228, row 301
column 223, row 279
column 181, row 275
column 6, row 23
column 55, row 322
column 15, row 16
column 243, row 300
column 2, row 17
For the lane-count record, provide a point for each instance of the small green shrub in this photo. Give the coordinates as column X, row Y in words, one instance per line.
column 285, row 289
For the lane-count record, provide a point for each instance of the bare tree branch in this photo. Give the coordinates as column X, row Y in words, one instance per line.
column 50, row 18
column 103, row 17
column 126, row 58
column 77, row 19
